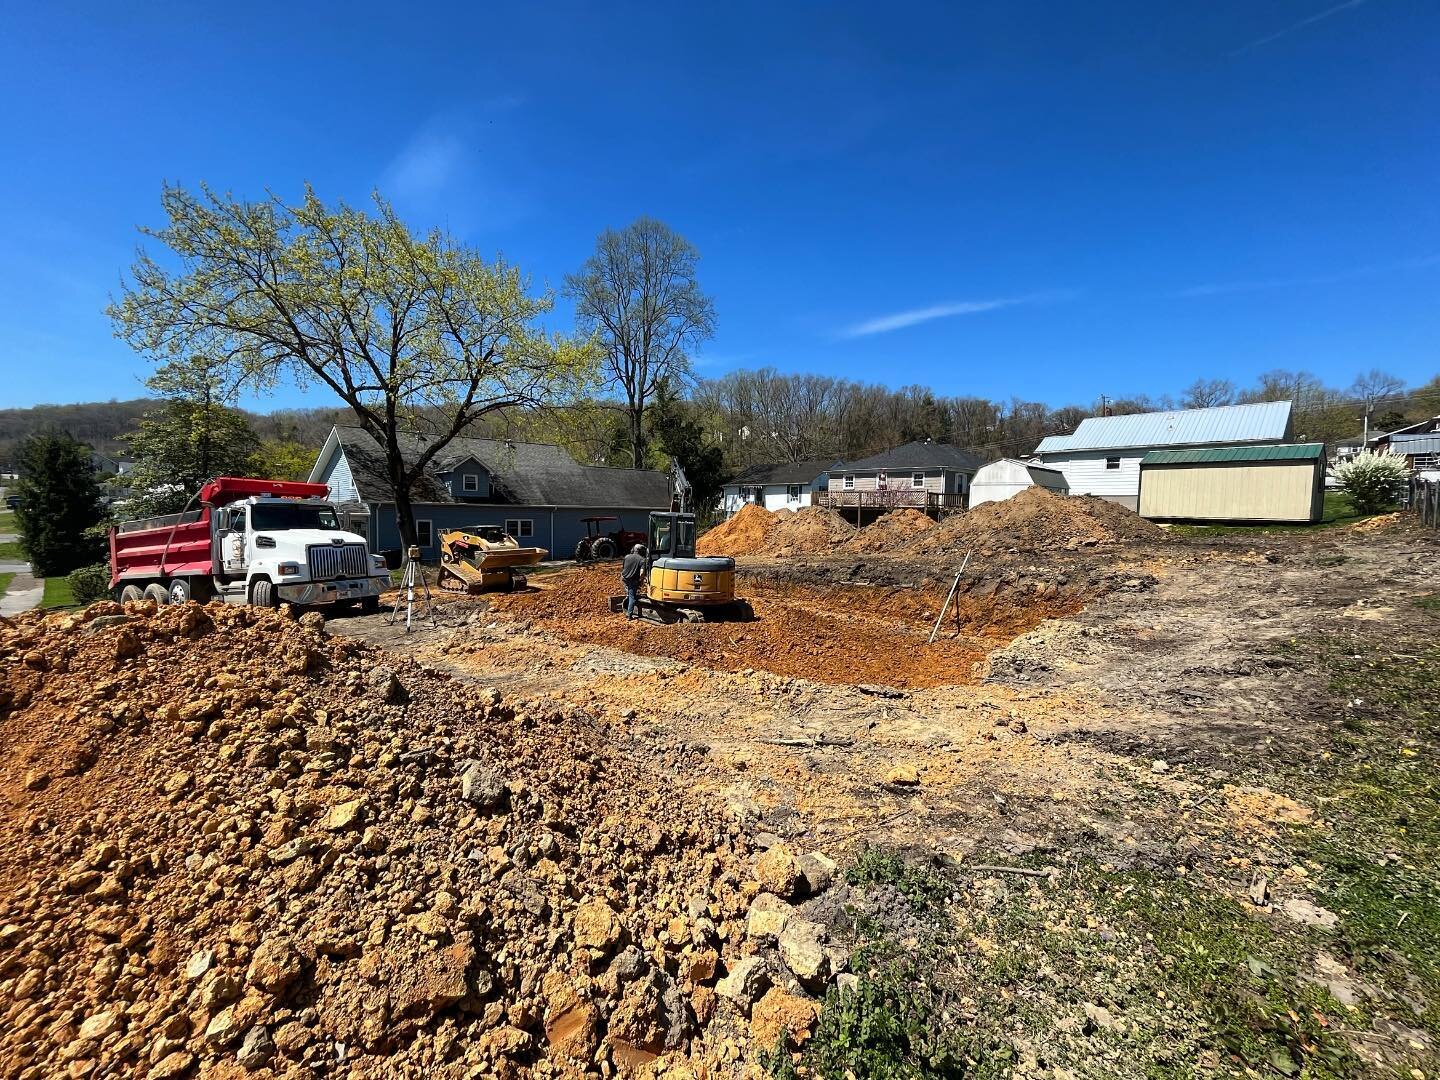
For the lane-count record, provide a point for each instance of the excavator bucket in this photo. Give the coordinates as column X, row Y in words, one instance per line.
column 484, row 558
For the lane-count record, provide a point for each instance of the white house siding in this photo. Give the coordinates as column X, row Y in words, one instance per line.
column 773, row 497
column 337, row 475
column 1086, row 473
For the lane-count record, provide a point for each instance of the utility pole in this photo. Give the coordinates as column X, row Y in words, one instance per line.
column 1104, row 405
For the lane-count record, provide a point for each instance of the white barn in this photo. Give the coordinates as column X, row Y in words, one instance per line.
column 1102, row 456
column 1006, row 478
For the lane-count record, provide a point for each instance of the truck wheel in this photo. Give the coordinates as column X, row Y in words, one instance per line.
column 262, row 594
column 179, row 591
column 370, row 605
column 131, row 594
column 604, row 548
column 158, row 593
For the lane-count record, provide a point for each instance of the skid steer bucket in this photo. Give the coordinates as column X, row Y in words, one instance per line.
column 484, row 558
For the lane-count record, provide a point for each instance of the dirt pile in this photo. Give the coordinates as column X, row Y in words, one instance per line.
column 230, row 842
column 839, row 634
column 812, row 530
column 891, row 531
column 747, row 533
column 1038, row 520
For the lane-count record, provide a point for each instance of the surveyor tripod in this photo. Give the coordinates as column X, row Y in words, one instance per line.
column 414, row 586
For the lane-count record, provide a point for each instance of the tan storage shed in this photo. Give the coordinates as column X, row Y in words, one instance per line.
column 1284, row 483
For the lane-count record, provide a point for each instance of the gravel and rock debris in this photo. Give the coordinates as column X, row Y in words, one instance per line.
column 234, row 845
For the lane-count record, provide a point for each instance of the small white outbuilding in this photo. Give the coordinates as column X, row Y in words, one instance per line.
column 1003, row 479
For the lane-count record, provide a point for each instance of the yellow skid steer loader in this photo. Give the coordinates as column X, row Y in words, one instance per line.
column 484, row 558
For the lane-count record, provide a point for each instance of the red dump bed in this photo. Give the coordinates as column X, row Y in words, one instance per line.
column 180, row 543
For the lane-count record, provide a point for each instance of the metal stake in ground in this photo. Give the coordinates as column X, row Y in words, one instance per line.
column 412, row 575
column 948, row 596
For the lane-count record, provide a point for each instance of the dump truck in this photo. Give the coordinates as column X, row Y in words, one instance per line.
column 484, row 558
column 678, row 586
column 247, row 541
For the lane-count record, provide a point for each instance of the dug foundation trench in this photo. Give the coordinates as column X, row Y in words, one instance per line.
column 837, row 631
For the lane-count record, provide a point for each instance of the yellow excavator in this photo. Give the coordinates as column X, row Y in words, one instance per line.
column 484, row 558
column 681, row 587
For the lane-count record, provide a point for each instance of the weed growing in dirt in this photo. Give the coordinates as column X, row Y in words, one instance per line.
column 923, row 887
column 1431, row 602
column 894, row 1024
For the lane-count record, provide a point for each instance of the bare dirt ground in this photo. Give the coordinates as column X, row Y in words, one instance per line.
column 1150, row 733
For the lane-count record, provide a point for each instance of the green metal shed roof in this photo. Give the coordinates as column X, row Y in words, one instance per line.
column 1287, row 452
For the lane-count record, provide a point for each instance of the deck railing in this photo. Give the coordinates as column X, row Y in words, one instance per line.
column 934, row 503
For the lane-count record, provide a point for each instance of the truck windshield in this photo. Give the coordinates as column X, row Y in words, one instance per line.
column 273, row 517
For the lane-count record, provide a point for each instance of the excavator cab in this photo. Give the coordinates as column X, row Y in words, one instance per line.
column 681, row 586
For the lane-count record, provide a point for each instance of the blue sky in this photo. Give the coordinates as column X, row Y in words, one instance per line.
column 1040, row 199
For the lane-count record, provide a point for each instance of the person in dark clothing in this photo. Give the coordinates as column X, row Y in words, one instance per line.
column 632, row 575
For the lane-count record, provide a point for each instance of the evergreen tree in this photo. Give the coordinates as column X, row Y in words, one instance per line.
column 59, row 501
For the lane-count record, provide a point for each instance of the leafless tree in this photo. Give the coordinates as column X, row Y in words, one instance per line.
column 638, row 296
column 1208, row 393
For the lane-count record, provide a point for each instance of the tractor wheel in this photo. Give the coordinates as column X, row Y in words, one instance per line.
column 604, row 548
column 131, row 594
column 262, row 594
column 582, row 551
column 158, row 593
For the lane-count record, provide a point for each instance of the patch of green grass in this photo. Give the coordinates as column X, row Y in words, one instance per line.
column 8, row 522
column 1380, row 851
column 57, row 593
column 12, row 551
column 1430, row 602
column 5, row 580
column 920, row 885
column 1338, row 510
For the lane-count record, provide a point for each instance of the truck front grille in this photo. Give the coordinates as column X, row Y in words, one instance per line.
column 330, row 561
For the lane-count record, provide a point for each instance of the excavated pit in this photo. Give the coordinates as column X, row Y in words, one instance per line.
column 831, row 632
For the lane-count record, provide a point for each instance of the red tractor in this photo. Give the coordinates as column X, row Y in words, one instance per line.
column 597, row 544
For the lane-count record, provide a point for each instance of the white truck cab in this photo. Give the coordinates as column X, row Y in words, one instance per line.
column 294, row 550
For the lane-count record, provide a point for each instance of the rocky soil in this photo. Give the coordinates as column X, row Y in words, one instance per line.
column 232, row 844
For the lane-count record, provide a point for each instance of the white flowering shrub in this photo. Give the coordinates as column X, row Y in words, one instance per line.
column 1373, row 481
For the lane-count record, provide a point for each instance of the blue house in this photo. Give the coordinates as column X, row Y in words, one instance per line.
column 536, row 492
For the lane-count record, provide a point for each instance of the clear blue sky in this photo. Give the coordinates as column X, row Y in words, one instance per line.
column 1043, row 199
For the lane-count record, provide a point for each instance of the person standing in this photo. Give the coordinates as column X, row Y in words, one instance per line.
column 632, row 575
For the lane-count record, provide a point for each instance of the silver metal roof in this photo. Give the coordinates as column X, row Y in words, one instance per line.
column 1267, row 421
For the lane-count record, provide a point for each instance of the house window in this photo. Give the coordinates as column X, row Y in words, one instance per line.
column 471, row 482
column 792, row 492
column 1112, row 463
column 849, row 483
column 520, row 527
column 424, row 532
column 917, row 480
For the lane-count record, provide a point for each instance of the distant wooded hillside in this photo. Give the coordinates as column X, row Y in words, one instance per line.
column 104, row 424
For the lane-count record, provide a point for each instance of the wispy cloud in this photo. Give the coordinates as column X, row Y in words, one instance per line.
column 884, row 324
column 1311, row 20
column 1221, row 288
column 428, row 163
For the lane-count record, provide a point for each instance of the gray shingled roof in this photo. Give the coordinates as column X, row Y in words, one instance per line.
column 916, row 455
column 789, row 472
column 526, row 474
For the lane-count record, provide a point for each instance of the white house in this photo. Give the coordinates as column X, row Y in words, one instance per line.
column 1102, row 456
column 1003, row 479
column 776, row 487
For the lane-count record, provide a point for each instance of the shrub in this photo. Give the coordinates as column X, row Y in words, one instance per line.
column 1374, row 482
column 90, row 583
